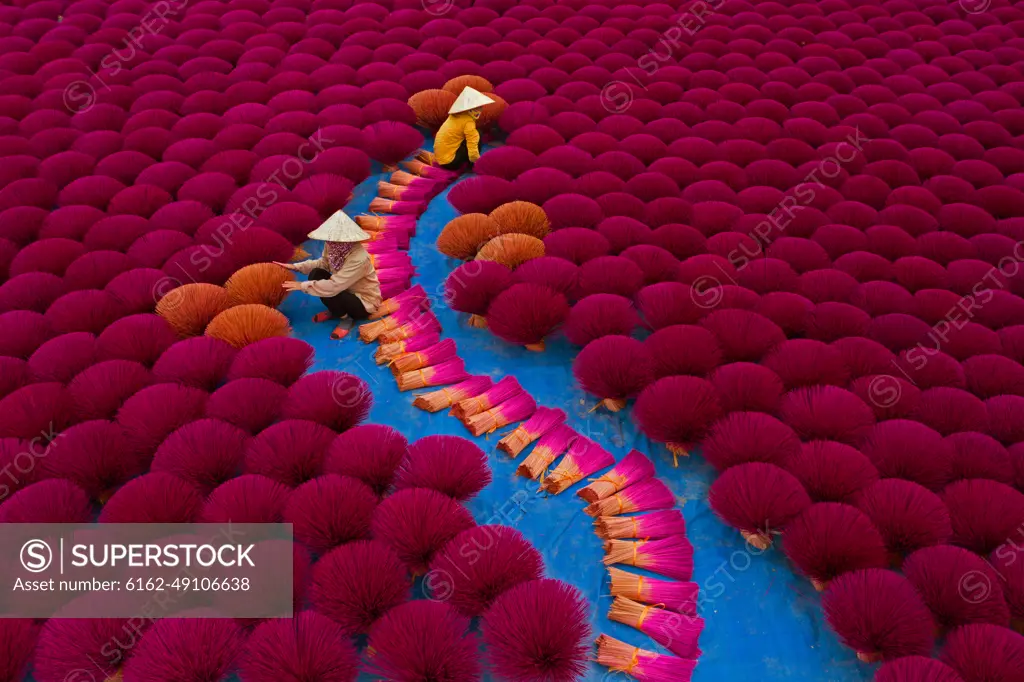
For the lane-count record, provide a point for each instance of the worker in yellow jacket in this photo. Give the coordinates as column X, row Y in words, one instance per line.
column 458, row 141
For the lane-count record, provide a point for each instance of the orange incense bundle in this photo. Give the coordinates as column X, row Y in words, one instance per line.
column 674, row 595
column 585, row 457
column 652, row 526
column 434, row 355
column 514, row 409
column 421, row 323
column 542, row 421
column 549, row 447
column 677, row 633
column 633, row 468
column 671, row 557
column 381, row 205
column 648, row 495
column 643, row 665
column 436, row 401
column 413, row 298
column 499, row 393
column 449, row 372
column 389, row 351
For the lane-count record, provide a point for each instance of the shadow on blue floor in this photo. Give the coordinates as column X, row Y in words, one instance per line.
column 762, row 622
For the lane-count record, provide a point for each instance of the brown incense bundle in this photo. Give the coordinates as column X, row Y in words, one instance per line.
column 436, row 401
column 585, row 457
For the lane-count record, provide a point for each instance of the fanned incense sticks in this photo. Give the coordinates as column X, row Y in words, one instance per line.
column 548, row 448
column 435, row 401
column 499, row 393
column 436, row 354
column 417, row 324
column 542, row 421
column 585, row 457
column 648, row 495
column 414, row 297
column 449, row 372
column 514, row 409
column 641, row 664
column 671, row 557
column 380, row 205
column 653, row 526
column 674, row 595
column 677, row 633
column 633, row 468
column 389, row 351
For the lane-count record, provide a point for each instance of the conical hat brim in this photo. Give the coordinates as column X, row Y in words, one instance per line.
column 339, row 228
column 469, row 99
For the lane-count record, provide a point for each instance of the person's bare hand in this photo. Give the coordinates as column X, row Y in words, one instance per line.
column 291, row 286
column 286, row 266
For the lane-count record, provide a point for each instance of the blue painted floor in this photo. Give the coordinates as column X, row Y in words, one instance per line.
column 762, row 622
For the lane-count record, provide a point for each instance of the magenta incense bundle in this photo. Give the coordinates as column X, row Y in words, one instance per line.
column 643, row 665
column 542, row 421
column 548, row 448
column 433, row 355
column 677, row 633
column 435, row 401
column 633, row 468
column 653, row 526
column 585, row 457
column 671, row 557
column 516, row 408
column 386, row 352
column 648, row 495
column 674, row 595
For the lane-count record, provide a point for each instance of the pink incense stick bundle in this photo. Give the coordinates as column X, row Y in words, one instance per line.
column 425, row 170
column 499, row 393
column 406, row 179
column 380, row 205
column 390, row 259
column 418, row 324
column 641, row 664
column 386, row 352
column 674, row 595
column 402, row 273
column 633, row 468
column 448, row 372
column 378, row 223
column 679, row 634
column 585, row 458
column 653, row 526
column 413, row 298
column 371, row 331
column 542, row 421
column 548, row 448
column 514, row 409
column 404, row 192
column 671, row 557
column 386, row 241
column 435, row 401
column 648, row 495
column 434, row 355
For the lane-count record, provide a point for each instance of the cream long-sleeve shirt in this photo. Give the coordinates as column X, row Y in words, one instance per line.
column 356, row 274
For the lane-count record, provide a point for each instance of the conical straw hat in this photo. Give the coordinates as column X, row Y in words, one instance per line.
column 339, row 228
column 469, row 99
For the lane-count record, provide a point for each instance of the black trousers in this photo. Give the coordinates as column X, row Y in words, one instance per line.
column 345, row 303
column 460, row 160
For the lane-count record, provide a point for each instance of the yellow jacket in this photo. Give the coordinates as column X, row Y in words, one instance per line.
column 457, row 128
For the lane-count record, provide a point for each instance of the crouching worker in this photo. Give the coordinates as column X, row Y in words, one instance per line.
column 344, row 278
column 458, row 141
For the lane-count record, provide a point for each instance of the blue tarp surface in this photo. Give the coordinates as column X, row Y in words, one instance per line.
column 762, row 621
